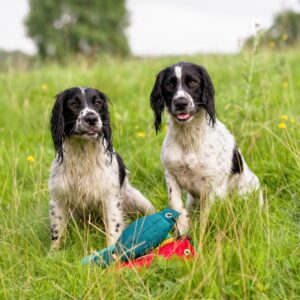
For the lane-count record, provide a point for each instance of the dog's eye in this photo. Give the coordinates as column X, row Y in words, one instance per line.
column 193, row 83
column 74, row 105
column 98, row 103
column 171, row 84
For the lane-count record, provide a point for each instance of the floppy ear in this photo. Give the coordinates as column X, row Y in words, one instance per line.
column 106, row 128
column 208, row 96
column 57, row 125
column 156, row 100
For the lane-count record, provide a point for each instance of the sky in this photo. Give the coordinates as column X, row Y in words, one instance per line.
column 167, row 27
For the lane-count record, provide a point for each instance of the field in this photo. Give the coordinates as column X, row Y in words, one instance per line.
column 243, row 252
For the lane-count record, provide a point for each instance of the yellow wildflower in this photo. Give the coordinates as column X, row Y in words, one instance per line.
column 30, row 159
column 284, row 117
column 272, row 44
column 285, row 37
column 282, row 125
column 141, row 134
column 44, row 87
column 285, row 84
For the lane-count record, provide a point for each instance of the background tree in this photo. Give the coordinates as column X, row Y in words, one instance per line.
column 284, row 32
column 89, row 27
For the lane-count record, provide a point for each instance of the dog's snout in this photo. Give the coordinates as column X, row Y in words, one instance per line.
column 90, row 119
column 181, row 103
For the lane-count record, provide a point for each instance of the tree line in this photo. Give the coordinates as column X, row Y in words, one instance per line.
column 88, row 27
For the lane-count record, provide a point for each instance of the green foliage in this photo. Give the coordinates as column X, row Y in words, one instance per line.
column 285, row 32
column 90, row 27
column 243, row 252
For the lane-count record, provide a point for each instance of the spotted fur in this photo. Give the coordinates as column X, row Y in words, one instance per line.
column 199, row 154
column 87, row 177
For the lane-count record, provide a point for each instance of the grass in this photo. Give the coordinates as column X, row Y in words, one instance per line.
column 243, row 253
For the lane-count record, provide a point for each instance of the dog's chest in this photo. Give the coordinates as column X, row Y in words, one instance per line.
column 191, row 169
column 83, row 182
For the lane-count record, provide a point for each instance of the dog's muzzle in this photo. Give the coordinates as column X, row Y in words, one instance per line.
column 90, row 119
column 89, row 124
column 182, row 109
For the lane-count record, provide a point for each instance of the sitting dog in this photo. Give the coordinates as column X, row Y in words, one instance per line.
column 87, row 176
column 199, row 154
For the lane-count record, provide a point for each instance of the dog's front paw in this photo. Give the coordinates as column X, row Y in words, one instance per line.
column 182, row 224
column 55, row 245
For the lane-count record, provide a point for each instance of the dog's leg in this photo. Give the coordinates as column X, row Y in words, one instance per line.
column 135, row 201
column 218, row 190
column 113, row 218
column 58, row 222
column 249, row 183
column 175, row 202
column 191, row 203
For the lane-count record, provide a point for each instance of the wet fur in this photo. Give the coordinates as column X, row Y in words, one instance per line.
column 87, row 177
column 199, row 156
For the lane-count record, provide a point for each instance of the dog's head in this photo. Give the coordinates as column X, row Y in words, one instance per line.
column 185, row 89
column 80, row 112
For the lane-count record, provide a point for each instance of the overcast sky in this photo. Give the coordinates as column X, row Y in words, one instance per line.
column 161, row 27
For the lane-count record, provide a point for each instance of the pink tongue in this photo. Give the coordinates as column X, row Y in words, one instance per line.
column 183, row 116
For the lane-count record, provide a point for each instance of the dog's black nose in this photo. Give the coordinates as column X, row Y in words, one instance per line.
column 90, row 119
column 181, row 103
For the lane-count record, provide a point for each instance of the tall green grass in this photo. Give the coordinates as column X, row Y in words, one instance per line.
column 242, row 252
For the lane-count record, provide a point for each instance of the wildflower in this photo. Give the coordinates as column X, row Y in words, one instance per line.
column 285, row 37
column 272, row 44
column 285, row 84
column 282, row 125
column 293, row 120
column 141, row 134
column 30, row 159
column 44, row 87
column 284, row 117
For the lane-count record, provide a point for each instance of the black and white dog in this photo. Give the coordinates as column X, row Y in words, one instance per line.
column 199, row 154
column 87, row 176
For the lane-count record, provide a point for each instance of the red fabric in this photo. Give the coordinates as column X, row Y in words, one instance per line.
column 181, row 248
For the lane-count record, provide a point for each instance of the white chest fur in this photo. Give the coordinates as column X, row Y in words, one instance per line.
column 200, row 157
column 85, row 177
column 189, row 168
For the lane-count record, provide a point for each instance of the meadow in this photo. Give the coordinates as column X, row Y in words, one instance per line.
column 242, row 252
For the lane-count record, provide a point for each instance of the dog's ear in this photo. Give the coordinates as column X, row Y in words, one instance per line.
column 57, row 124
column 106, row 128
column 208, row 95
column 156, row 100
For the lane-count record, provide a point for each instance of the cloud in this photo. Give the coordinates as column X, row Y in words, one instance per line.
column 12, row 29
column 161, row 27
